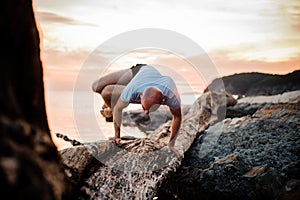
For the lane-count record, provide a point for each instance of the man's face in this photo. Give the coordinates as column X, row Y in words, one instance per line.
column 149, row 105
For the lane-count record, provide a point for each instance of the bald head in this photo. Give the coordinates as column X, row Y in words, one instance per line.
column 153, row 93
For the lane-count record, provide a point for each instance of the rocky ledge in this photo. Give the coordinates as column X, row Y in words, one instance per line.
column 136, row 167
column 250, row 152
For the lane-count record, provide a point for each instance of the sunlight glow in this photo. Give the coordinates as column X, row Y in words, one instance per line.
column 264, row 27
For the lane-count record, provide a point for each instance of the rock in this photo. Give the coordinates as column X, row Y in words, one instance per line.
column 292, row 184
column 242, row 109
column 251, row 157
column 254, row 84
column 249, row 105
column 136, row 168
column 30, row 165
column 255, row 171
column 286, row 97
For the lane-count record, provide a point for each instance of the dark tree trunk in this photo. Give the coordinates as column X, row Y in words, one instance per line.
column 30, row 167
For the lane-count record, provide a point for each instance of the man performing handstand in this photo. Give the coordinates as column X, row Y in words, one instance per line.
column 140, row 84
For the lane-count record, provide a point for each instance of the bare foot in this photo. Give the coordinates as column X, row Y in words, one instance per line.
column 106, row 112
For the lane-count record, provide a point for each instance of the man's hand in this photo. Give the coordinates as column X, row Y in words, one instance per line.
column 175, row 125
column 117, row 115
column 116, row 140
column 174, row 150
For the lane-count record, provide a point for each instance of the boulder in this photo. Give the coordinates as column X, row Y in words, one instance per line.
column 255, row 156
column 136, row 168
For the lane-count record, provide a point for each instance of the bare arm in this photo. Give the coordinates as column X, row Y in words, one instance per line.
column 117, row 113
column 176, row 122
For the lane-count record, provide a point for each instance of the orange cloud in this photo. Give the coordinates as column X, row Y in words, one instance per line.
column 63, row 59
column 227, row 65
column 50, row 17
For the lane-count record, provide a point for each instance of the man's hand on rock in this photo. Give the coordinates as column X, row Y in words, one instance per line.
column 116, row 140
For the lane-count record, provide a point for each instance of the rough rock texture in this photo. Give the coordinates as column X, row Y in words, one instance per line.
column 30, row 166
column 255, row 156
column 136, row 168
column 249, row 105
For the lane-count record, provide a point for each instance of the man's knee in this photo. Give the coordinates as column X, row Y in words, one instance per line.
column 107, row 91
column 98, row 86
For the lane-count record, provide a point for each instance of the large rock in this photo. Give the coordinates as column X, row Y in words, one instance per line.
column 253, row 84
column 256, row 156
column 136, row 168
column 30, row 167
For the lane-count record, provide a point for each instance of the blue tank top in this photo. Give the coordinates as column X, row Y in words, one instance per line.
column 146, row 77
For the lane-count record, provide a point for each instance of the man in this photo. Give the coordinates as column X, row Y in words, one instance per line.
column 140, row 84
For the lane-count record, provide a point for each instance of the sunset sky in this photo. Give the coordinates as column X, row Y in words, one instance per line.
column 238, row 36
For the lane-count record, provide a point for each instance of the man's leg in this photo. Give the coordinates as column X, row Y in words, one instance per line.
column 105, row 87
column 111, row 94
column 122, row 77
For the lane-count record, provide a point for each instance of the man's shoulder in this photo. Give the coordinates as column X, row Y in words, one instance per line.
column 170, row 83
column 169, row 79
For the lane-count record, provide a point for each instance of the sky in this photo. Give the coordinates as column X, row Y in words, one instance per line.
column 238, row 36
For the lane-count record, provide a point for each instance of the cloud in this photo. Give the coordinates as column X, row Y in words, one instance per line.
column 289, row 12
column 50, row 17
column 62, row 68
column 227, row 65
column 295, row 17
column 53, row 58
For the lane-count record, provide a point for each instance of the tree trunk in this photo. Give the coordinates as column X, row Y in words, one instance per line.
column 30, row 167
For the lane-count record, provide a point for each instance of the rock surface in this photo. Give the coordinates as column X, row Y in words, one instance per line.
column 255, row 155
column 249, row 152
column 136, row 168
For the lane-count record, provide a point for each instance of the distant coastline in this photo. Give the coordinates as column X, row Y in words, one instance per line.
column 253, row 84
